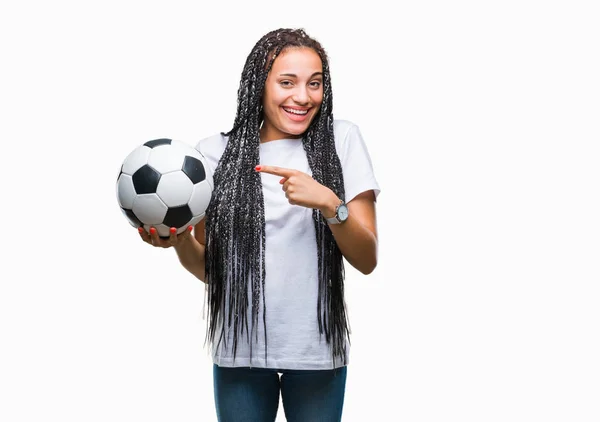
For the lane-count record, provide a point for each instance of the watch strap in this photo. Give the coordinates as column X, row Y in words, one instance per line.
column 335, row 219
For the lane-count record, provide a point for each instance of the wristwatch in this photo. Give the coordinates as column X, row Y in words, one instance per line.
column 341, row 214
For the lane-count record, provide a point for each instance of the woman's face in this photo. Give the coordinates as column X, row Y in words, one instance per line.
column 293, row 94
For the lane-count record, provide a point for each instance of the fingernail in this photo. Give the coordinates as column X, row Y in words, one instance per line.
column 152, row 230
column 172, row 229
column 190, row 228
column 140, row 230
column 282, row 181
column 257, row 168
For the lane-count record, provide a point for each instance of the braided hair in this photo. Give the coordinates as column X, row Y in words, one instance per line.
column 235, row 218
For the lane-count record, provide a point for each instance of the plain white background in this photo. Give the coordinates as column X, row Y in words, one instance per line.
column 482, row 121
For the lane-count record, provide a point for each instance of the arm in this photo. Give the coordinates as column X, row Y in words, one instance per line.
column 357, row 236
column 191, row 251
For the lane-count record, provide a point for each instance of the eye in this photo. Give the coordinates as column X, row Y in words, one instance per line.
column 285, row 83
column 315, row 84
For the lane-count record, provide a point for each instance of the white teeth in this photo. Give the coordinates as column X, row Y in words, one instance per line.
column 301, row 112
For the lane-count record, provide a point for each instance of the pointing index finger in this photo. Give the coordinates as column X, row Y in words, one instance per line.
column 277, row 171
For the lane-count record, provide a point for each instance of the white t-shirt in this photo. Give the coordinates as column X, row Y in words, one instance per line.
column 291, row 285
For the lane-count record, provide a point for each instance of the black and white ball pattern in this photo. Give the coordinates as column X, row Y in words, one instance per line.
column 164, row 183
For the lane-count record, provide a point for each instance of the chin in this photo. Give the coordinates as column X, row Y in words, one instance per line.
column 298, row 129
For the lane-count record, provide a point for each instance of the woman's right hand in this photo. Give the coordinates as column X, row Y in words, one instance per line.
column 174, row 239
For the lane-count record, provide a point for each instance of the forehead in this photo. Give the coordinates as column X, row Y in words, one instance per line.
column 297, row 60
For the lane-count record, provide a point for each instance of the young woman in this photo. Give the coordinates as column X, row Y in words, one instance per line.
column 294, row 194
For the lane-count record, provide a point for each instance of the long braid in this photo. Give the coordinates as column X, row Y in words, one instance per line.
column 235, row 218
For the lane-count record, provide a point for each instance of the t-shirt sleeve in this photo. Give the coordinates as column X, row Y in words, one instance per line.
column 212, row 148
column 357, row 167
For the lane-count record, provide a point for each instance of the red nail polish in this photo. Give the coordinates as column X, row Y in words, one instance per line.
column 172, row 229
column 257, row 168
column 152, row 230
column 140, row 230
column 190, row 228
column 282, row 181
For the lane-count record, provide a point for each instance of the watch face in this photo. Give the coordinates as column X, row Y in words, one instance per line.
column 342, row 212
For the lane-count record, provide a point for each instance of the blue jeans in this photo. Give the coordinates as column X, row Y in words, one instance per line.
column 252, row 394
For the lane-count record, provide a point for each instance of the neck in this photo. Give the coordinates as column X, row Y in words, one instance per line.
column 267, row 135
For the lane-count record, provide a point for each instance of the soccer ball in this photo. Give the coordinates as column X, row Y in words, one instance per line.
column 164, row 183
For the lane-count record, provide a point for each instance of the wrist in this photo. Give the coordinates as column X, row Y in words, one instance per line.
column 330, row 205
column 183, row 243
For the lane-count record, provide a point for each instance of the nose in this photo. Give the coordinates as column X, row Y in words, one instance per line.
column 301, row 96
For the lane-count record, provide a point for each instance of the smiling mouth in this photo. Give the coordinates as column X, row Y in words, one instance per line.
column 295, row 112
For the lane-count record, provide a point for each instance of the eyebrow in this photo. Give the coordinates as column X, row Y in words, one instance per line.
column 295, row 76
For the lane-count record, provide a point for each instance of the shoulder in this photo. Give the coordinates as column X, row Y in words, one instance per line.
column 213, row 142
column 347, row 136
column 342, row 128
column 212, row 148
